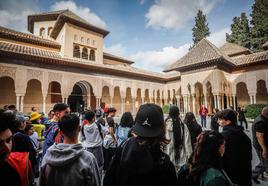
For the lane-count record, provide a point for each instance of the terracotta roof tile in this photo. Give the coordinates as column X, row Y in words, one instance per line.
column 204, row 51
column 62, row 16
column 252, row 58
column 107, row 55
column 232, row 49
column 27, row 38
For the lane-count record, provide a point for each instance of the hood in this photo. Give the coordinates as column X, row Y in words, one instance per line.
column 63, row 154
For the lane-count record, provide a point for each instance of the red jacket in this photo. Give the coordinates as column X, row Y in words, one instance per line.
column 203, row 111
column 21, row 163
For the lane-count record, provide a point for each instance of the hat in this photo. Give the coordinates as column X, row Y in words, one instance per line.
column 21, row 118
column 34, row 116
column 149, row 120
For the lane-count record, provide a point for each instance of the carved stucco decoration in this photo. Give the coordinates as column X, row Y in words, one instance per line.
column 8, row 71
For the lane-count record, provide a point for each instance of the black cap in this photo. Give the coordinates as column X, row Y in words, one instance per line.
column 149, row 120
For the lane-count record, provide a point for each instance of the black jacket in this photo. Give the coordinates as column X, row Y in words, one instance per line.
column 134, row 165
column 214, row 123
column 238, row 155
column 22, row 143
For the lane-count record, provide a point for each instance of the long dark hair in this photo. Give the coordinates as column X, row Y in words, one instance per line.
column 206, row 153
column 174, row 115
column 126, row 120
column 189, row 118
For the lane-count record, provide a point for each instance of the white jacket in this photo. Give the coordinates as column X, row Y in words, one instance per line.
column 186, row 149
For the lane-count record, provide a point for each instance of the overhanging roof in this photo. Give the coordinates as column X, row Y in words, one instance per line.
column 203, row 53
column 61, row 17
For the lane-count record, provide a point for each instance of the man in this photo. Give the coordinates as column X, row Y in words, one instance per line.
column 92, row 138
column 238, row 155
column 203, row 112
column 241, row 117
column 110, row 141
column 22, row 142
column 15, row 167
column 52, row 134
column 68, row 163
column 260, row 143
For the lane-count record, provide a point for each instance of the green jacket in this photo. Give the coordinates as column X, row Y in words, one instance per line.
column 214, row 177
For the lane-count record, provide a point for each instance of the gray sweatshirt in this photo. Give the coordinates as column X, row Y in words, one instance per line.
column 69, row 164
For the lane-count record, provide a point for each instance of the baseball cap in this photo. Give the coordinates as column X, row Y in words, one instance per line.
column 21, row 118
column 149, row 120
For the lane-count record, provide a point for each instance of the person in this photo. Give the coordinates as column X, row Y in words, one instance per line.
column 214, row 120
column 51, row 114
column 43, row 118
column 15, row 167
column 110, row 142
column 205, row 165
column 68, row 163
column 193, row 127
column 52, row 134
column 48, row 122
column 124, row 127
column 241, row 117
column 34, row 109
column 12, row 108
column 91, row 137
column 179, row 149
column 203, row 112
column 22, row 142
column 5, row 107
column 35, row 119
column 140, row 160
column 260, row 143
column 238, row 151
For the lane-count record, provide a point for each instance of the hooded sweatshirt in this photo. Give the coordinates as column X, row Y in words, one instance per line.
column 69, row 164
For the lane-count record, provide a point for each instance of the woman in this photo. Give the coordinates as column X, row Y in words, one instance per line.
column 205, row 165
column 179, row 149
column 125, row 125
column 193, row 127
column 140, row 160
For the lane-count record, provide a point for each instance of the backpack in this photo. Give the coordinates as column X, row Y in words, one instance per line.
column 57, row 136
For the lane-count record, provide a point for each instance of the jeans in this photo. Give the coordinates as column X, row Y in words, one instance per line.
column 98, row 153
column 261, row 167
column 204, row 121
column 242, row 121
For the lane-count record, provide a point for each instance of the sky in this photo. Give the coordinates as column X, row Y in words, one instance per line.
column 152, row 33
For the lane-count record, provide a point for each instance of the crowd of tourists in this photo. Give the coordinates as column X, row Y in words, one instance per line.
column 62, row 149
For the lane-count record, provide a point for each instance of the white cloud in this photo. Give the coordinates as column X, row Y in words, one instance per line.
column 173, row 14
column 157, row 60
column 142, row 2
column 14, row 14
column 219, row 38
column 117, row 49
column 84, row 12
